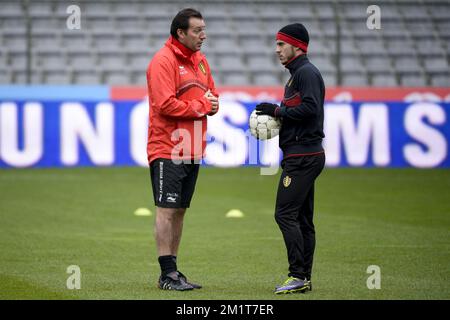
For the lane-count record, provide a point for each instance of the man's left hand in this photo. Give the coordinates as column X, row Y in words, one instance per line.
column 266, row 108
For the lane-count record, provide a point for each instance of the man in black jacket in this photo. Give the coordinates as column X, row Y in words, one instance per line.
column 301, row 137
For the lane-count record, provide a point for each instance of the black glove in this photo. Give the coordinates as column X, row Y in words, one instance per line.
column 266, row 108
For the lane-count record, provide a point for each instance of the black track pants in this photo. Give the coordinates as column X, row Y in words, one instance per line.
column 294, row 210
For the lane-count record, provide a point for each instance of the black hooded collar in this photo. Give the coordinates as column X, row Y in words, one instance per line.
column 296, row 63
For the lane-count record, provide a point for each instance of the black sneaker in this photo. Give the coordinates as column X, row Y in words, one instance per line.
column 172, row 281
column 182, row 276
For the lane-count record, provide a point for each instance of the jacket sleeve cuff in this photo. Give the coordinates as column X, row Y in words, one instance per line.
column 280, row 112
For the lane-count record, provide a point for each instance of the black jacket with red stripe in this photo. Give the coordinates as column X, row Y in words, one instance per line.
column 301, row 110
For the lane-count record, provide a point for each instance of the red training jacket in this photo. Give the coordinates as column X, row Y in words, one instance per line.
column 177, row 80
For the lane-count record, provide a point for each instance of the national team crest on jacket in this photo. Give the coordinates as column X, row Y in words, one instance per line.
column 286, row 181
column 202, row 67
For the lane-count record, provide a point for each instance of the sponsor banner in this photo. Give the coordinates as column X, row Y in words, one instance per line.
column 250, row 93
column 81, row 132
column 337, row 94
column 58, row 93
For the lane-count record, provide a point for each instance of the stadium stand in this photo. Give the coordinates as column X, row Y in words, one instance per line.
column 118, row 38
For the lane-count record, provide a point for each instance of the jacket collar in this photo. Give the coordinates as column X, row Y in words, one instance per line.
column 183, row 52
column 296, row 62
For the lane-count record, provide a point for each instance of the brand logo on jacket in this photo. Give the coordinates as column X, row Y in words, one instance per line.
column 183, row 70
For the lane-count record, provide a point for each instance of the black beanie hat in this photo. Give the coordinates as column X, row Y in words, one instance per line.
column 295, row 34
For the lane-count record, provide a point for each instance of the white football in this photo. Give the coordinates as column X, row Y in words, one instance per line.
column 264, row 127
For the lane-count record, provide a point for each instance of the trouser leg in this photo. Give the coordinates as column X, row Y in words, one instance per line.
column 294, row 211
column 305, row 218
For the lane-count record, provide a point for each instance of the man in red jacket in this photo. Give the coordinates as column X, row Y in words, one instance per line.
column 181, row 96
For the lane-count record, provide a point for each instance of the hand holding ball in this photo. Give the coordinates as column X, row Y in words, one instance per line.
column 264, row 127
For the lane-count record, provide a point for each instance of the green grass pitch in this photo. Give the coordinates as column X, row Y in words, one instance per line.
column 397, row 219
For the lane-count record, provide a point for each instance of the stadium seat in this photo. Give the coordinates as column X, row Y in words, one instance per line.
column 415, row 35
column 88, row 77
column 235, row 79
column 57, row 77
column 5, row 77
column 96, row 7
column 11, row 9
column 224, row 44
column 139, row 61
column 324, row 64
column 20, row 77
column 45, row 41
column 384, row 80
column 330, row 79
column 415, row 13
column 439, row 11
column 441, row 80
column 262, row 63
column 351, row 64
column 348, row 46
column 116, row 78
column 231, row 63
column 407, row 65
column 273, row 11
column 266, row 79
column 135, row 41
column 129, row 23
column 390, row 13
column 55, row 60
column 400, row 48
column 131, row 9
column 158, row 41
column 18, row 44
column 3, row 59
column 437, row 65
column 272, row 26
column 317, row 47
column 353, row 11
column 100, row 23
column 393, row 32
column 46, row 23
column 40, row 8
column 254, row 41
column 159, row 10
column 214, row 10
column 216, row 25
column 83, row 61
column 371, row 47
column 139, row 77
column 75, row 41
column 379, row 64
column 18, row 61
column 242, row 10
column 106, row 41
column 354, row 79
column 112, row 61
column 409, row 80
column 430, row 49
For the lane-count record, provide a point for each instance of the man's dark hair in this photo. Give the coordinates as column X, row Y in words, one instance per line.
column 181, row 20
